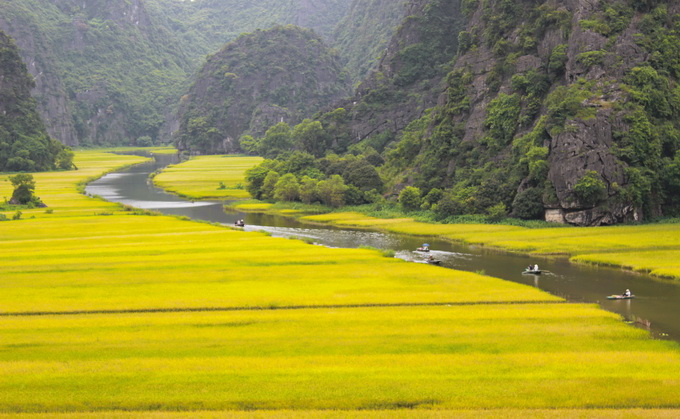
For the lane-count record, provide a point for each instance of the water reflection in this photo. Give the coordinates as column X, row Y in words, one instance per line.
column 656, row 307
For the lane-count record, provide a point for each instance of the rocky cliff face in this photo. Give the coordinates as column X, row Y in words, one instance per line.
column 280, row 75
column 91, row 60
column 568, row 105
column 51, row 95
column 363, row 34
column 24, row 142
column 406, row 80
column 108, row 72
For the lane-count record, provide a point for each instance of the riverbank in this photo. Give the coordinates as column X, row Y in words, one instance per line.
column 649, row 248
column 150, row 314
column 652, row 249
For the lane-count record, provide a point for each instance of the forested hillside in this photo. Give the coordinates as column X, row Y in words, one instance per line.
column 110, row 72
column 564, row 108
column 24, row 142
column 114, row 66
column 567, row 110
column 279, row 75
column 206, row 25
column 362, row 35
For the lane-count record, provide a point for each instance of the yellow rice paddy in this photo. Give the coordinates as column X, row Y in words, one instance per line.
column 202, row 177
column 162, row 317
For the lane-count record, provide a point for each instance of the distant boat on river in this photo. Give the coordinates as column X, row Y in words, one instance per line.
column 424, row 248
column 620, row 297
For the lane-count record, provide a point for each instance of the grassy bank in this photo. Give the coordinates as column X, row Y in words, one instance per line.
column 60, row 190
column 171, row 317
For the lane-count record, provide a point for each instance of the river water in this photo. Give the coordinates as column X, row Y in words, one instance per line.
column 655, row 308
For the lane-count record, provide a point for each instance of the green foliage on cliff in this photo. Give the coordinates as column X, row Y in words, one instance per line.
column 282, row 74
column 121, row 66
column 363, row 34
column 651, row 144
column 119, row 63
column 503, row 158
column 24, row 142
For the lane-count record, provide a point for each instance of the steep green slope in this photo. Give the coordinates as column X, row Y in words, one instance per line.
column 116, row 66
column 405, row 82
column 563, row 110
column 111, row 72
column 568, row 108
column 24, row 143
column 207, row 25
column 282, row 74
column 363, row 34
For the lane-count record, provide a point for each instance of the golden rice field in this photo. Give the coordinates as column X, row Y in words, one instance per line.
column 378, row 414
column 200, row 177
column 380, row 358
column 128, row 315
column 59, row 189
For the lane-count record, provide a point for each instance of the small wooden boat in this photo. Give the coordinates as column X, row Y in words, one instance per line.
column 620, row 297
column 434, row 262
column 422, row 249
column 532, row 272
column 239, row 224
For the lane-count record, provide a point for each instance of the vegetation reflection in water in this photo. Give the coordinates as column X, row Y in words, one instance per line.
column 364, row 353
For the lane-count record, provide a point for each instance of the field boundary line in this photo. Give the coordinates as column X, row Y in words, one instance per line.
column 273, row 308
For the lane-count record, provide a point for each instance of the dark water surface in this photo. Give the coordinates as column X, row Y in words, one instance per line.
column 656, row 306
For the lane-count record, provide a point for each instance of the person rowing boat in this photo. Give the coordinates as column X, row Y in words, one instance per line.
column 625, row 296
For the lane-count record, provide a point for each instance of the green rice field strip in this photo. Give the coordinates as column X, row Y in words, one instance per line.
column 369, row 336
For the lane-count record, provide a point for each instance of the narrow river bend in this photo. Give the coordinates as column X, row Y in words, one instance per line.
column 656, row 306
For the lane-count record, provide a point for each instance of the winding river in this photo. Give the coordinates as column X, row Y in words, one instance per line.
column 656, row 306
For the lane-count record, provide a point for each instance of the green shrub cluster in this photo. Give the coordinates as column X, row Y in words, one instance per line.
column 331, row 180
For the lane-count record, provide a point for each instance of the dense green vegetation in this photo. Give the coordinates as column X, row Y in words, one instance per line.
column 362, row 35
column 284, row 73
column 332, row 180
column 495, row 154
column 24, row 188
column 509, row 164
column 404, row 81
column 121, row 67
column 24, row 142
